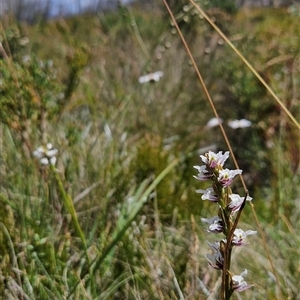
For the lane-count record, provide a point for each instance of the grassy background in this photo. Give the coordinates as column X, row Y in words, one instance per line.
column 74, row 82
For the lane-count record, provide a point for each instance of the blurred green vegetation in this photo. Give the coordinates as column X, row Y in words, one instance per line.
column 74, row 82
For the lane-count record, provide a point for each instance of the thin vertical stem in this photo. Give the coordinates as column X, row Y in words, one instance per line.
column 68, row 203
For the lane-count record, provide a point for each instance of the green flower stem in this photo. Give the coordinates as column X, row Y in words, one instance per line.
column 68, row 203
column 226, row 249
column 226, row 290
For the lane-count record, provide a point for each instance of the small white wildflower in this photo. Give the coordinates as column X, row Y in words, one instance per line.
column 203, row 173
column 39, row 152
column 215, row 159
column 208, row 194
column 46, row 154
column 243, row 123
column 239, row 237
column 226, row 176
column 215, row 260
column 236, row 202
column 215, row 224
column 239, row 284
column 152, row 77
column 213, row 122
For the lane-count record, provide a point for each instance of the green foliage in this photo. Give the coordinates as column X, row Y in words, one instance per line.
column 128, row 232
column 32, row 93
column 8, row 233
column 228, row 6
column 29, row 92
